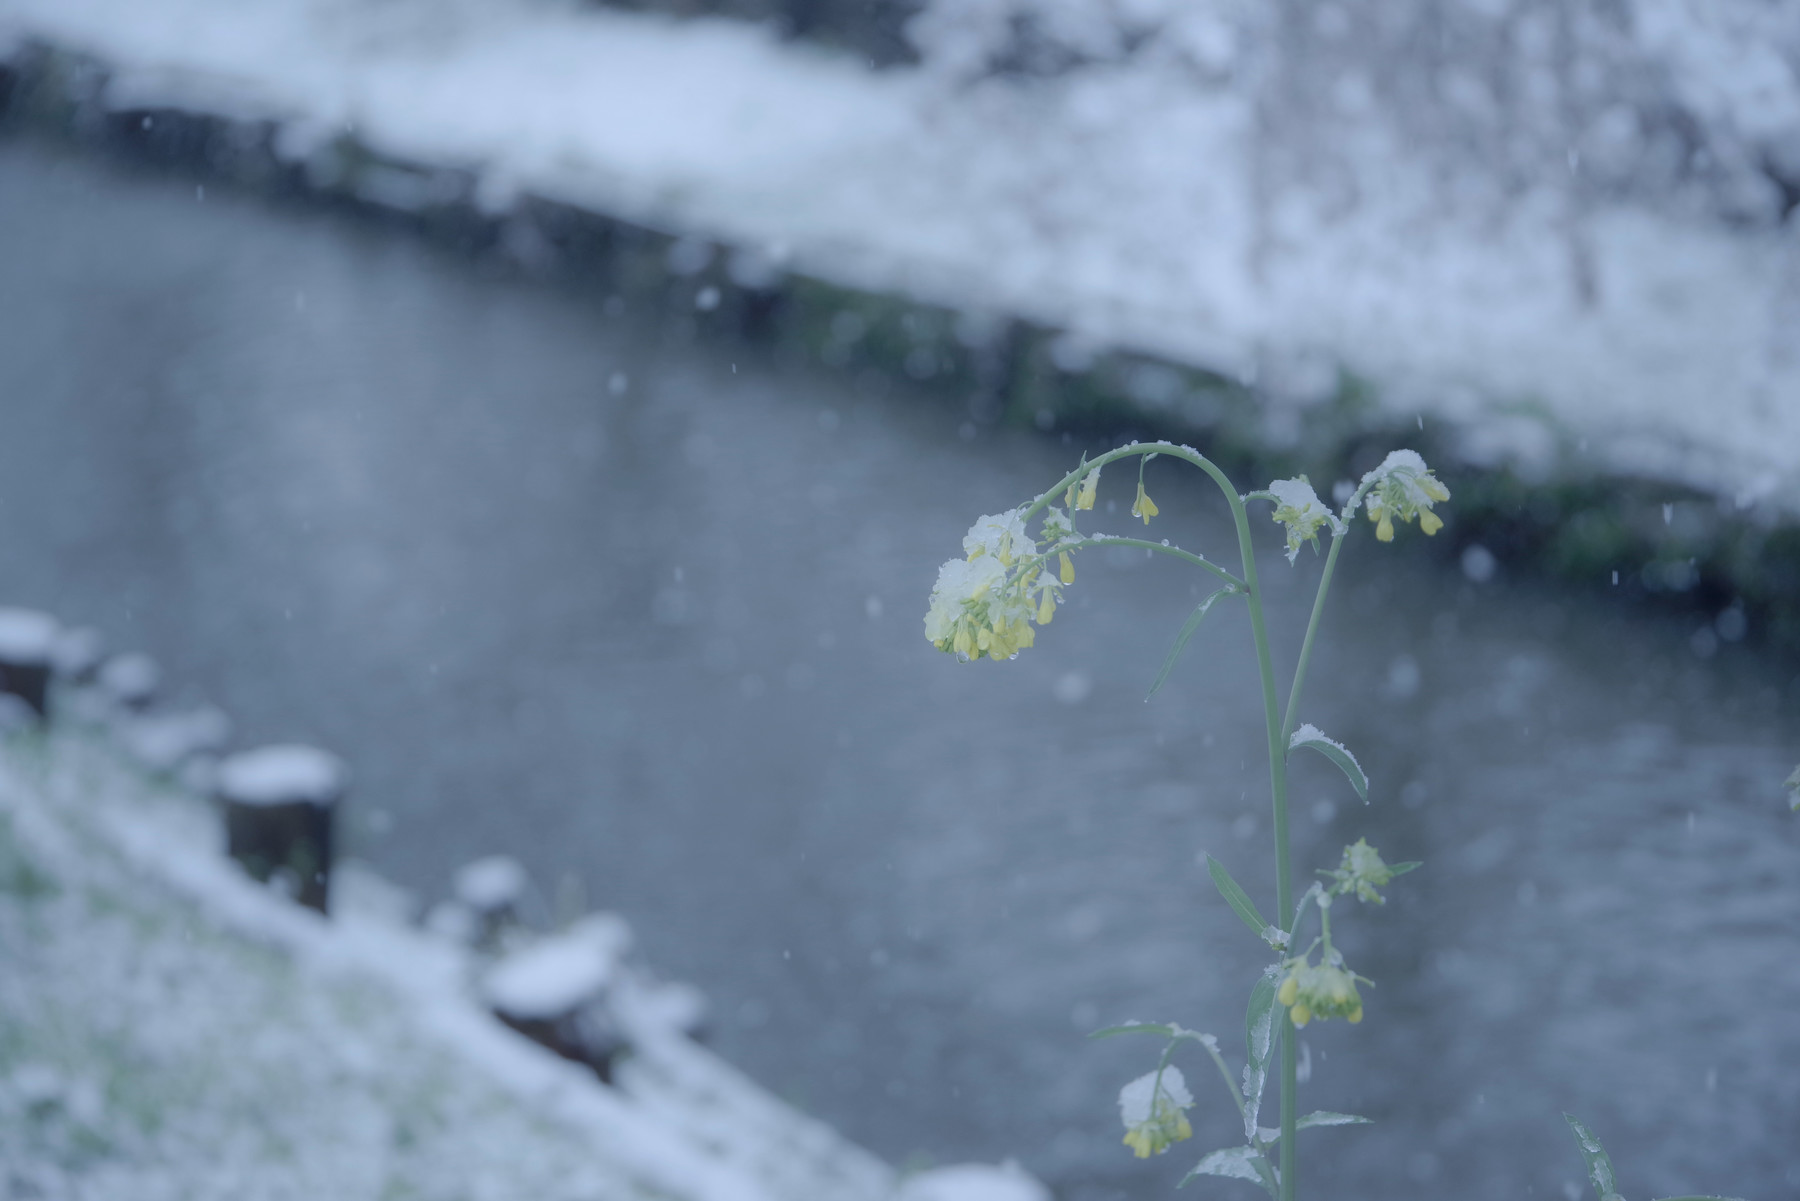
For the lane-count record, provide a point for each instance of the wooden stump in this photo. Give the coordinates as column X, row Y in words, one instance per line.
column 27, row 645
column 279, row 802
column 555, row 991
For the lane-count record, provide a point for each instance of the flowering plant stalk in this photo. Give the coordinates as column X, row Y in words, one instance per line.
column 986, row 604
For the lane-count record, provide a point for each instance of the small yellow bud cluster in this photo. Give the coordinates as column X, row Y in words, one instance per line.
column 1298, row 508
column 1362, row 872
column 1403, row 487
column 1326, row 991
column 984, row 606
column 1152, row 1108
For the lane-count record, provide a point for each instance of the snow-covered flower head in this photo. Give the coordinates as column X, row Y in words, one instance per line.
column 984, row 605
column 1793, row 784
column 1298, row 508
column 1152, row 1109
column 1362, row 872
column 1001, row 535
column 1325, row 991
column 1403, row 487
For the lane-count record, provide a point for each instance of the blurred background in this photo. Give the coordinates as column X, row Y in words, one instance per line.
column 560, row 412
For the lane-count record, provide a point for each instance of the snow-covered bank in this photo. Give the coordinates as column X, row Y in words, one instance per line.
column 170, row 1029
column 1102, row 205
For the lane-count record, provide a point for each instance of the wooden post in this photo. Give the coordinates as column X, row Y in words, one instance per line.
column 27, row 644
column 279, row 802
column 491, row 888
column 554, row 991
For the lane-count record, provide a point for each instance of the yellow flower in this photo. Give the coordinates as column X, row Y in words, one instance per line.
column 1404, row 488
column 1046, row 608
column 1143, row 507
column 1090, row 483
column 1067, row 567
column 1325, row 991
column 1362, row 872
column 1152, row 1108
column 1298, row 508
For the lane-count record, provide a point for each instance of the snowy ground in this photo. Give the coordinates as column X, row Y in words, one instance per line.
column 169, row 1029
column 1105, row 204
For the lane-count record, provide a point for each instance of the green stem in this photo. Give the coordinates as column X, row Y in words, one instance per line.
column 1312, row 628
column 1284, row 887
column 1187, row 556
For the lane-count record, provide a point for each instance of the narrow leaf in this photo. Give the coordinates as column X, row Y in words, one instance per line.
column 1318, row 1117
column 1400, row 869
column 1599, row 1165
column 1311, row 737
column 1181, row 639
column 1236, row 897
column 1233, row 1163
column 1259, row 1037
column 1135, row 1028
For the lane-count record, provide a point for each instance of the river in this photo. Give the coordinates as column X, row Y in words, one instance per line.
column 645, row 613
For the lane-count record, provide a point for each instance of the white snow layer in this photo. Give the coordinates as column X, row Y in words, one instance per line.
column 490, row 883
column 171, row 1030
column 1108, row 203
column 554, row 976
column 1137, row 1100
column 27, row 637
column 972, row 1182
column 283, row 775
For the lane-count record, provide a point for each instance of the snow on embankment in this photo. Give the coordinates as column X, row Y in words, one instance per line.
column 1106, row 204
column 169, row 1029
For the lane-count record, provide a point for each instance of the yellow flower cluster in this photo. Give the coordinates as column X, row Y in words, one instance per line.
column 983, row 606
column 1362, row 872
column 1081, row 495
column 1325, row 991
column 1298, row 508
column 1152, row 1108
column 1404, row 488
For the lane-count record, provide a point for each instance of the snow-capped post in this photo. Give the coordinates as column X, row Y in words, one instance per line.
column 491, row 888
column 27, row 647
column 130, row 680
column 554, row 991
column 279, row 802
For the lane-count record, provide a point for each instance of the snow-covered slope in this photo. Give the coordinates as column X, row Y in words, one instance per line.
column 169, row 1029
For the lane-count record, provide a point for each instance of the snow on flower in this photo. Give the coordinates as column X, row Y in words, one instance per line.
column 984, row 605
column 1403, row 487
column 1152, row 1109
column 1298, row 508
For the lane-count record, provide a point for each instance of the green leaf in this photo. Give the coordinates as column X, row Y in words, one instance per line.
column 1181, row 639
column 1136, row 1028
column 1309, row 736
column 1599, row 1166
column 1318, row 1117
column 1400, row 869
column 1233, row 1163
column 1236, row 897
column 1259, row 1038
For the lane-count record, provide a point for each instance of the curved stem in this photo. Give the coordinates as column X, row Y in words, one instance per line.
column 1186, row 556
column 1186, row 454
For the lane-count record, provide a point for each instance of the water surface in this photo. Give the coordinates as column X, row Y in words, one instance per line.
column 646, row 614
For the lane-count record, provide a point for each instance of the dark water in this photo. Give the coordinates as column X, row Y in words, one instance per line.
column 561, row 585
